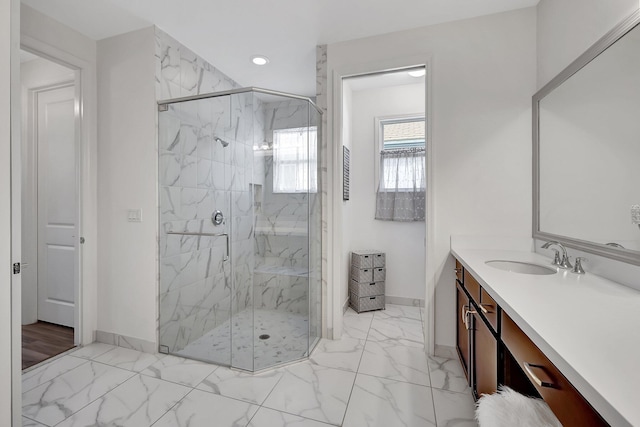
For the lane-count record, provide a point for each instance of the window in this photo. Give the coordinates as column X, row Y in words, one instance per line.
column 402, row 133
column 402, row 155
column 295, row 160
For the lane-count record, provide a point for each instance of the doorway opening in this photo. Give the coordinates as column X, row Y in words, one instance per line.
column 384, row 125
column 50, row 207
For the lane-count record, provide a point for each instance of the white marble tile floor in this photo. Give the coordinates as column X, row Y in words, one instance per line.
column 376, row 376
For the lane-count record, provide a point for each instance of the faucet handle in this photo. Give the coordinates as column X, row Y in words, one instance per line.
column 556, row 259
column 578, row 267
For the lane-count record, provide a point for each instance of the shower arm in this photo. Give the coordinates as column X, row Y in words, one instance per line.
column 187, row 233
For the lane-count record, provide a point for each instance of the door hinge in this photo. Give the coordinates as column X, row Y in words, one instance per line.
column 82, row 240
column 16, row 268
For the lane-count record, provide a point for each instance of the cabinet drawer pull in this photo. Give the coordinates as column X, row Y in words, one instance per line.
column 466, row 317
column 486, row 308
column 545, row 382
column 462, row 315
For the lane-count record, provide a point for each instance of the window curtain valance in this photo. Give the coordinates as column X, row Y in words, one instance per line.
column 401, row 190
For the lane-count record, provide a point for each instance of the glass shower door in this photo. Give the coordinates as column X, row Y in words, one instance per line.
column 195, row 210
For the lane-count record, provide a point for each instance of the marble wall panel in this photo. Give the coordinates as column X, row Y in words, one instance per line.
column 196, row 174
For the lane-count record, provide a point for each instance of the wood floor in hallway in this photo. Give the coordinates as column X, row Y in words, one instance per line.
column 42, row 340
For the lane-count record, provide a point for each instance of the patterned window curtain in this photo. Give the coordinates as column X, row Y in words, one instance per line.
column 401, row 190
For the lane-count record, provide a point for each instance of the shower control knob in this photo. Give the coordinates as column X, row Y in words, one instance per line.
column 217, row 218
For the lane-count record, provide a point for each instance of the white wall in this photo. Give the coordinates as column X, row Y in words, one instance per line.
column 483, row 75
column 43, row 34
column 565, row 29
column 403, row 243
column 127, row 164
column 33, row 74
column 9, row 366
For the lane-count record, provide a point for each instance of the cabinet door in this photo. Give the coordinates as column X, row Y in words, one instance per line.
column 462, row 333
column 485, row 351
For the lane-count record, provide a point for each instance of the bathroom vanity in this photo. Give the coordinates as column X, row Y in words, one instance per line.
column 565, row 337
column 571, row 339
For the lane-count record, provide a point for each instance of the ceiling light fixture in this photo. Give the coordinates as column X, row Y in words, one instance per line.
column 259, row 60
column 418, row 73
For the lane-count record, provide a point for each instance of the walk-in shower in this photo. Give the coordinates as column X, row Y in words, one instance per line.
column 239, row 228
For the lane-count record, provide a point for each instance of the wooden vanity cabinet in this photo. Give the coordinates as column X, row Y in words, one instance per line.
column 485, row 358
column 494, row 350
column 477, row 344
column 463, row 338
column 565, row 401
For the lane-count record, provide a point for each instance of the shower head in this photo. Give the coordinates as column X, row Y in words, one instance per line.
column 221, row 141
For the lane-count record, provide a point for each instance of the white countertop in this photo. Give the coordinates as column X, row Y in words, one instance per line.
column 588, row 326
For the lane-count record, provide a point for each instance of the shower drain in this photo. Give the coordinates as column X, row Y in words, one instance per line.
column 264, row 336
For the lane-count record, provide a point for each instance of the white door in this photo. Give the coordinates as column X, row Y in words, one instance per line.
column 57, row 204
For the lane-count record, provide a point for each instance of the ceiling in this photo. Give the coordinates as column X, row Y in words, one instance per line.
column 381, row 80
column 228, row 32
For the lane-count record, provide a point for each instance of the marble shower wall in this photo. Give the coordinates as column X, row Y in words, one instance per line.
column 197, row 176
column 282, row 225
column 320, row 239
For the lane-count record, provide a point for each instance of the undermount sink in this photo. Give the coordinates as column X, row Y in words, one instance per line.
column 521, row 267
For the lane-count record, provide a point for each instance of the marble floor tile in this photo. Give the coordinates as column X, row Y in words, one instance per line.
column 313, row 392
column 379, row 402
column 397, row 362
column 398, row 331
column 356, row 325
column 178, row 370
column 339, row 354
column 26, row 422
column 454, row 409
column 49, row 371
column 266, row 417
column 202, row 409
column 351, row 312
column 398, row 311
column 447, row 374
column 57, row 399
column 92, row 350
column 131, row 360
column 252, row 388
column 139, row 402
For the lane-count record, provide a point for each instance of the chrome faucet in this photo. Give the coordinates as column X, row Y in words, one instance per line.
column 562, row 263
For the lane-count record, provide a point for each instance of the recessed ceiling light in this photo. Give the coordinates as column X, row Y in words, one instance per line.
column 418, row 73
column 259, row 60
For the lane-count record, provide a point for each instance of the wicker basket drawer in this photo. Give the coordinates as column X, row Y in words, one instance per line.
column 362, row 274
column 379, row 274
column 362, row 259
column 360, row 304
column 379, row 260
column 366, row 289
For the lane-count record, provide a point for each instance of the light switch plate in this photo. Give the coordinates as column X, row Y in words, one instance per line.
column 134, row 215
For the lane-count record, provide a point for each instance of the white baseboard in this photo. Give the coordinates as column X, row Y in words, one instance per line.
column 411, row 302
column 446, row 351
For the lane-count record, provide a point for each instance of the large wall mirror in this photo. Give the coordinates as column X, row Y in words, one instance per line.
column 586, row 137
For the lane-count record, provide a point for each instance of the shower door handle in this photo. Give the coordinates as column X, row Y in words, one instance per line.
column 188, row 233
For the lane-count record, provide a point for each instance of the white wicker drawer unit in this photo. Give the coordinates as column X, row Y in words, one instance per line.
column 367, row 283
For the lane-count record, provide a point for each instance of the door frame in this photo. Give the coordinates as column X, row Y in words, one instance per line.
column 334, row 159
column 32, row 94
column 86, row 178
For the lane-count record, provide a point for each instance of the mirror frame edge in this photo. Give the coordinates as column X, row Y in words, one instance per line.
column 619, row 31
